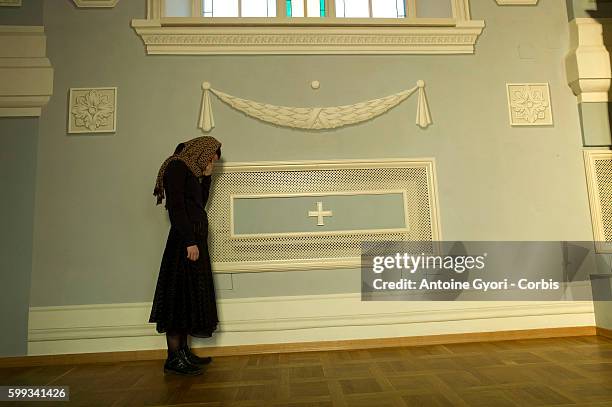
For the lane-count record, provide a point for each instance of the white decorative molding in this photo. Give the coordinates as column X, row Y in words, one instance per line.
column 195, row 34
column 26, row 81
column 598, row 170
column 92, row 110
column 517, row 2
column 314, row 118
column 312, row 36
column 529, row 104
column 317, row 250
column 95, row 3
column 320, row 214
column 588, row 61
column 10, row 3
column 123, row 327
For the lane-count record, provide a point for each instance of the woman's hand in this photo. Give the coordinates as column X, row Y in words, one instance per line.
column 193, row 253
column 209, row 169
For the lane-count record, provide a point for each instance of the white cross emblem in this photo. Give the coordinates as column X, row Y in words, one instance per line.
column 319, row 214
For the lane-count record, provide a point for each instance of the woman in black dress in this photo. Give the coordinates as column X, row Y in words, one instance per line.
column 184, row 302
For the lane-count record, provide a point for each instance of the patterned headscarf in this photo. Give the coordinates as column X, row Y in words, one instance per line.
column 196, row 154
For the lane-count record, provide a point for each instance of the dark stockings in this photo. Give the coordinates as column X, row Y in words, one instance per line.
column 184, row 341
column 175, row 340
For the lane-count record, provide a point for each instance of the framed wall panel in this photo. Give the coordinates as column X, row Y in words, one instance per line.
column 398, row 200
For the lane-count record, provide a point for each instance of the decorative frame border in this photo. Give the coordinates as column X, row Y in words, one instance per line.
column 234, row 235
column 548, row 122
column 333, row 260
column 602, row 245
column 71, row 130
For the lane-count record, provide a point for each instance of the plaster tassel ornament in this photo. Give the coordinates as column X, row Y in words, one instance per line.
column 314, row 118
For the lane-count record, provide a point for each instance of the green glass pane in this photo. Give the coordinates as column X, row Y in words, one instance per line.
column 288, row 7
column 322, row 7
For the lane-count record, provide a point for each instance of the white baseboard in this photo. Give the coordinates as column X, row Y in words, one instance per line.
column 270, row 320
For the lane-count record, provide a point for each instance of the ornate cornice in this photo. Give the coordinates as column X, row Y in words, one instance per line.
column 349, row 39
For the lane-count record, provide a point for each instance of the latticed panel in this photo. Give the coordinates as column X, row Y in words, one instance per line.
column 415, row 180
column 603, row 175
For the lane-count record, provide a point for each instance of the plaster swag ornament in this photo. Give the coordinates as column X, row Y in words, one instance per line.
column 313, row 118
column 92, row 110
column 529, row 104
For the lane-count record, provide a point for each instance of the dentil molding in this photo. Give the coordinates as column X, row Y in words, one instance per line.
column 26, row 82
column 212, row 39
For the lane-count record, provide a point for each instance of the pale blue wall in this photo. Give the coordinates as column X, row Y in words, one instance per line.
column 18, row 142
column 18, row 153
column 351, row 212
column 595, row 121
column 99, row 236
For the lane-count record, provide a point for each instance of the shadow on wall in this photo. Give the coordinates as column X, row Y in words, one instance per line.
column 596, row 8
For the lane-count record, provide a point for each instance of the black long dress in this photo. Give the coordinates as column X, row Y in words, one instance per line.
column 185, row 294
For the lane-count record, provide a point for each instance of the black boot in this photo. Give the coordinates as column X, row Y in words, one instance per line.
column 195, row 359
column 178, row 364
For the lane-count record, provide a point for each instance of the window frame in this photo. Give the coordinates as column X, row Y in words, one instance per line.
column 307, row 35
column 197, row 11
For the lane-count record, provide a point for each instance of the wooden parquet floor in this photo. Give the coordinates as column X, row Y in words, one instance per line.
column 573, row 371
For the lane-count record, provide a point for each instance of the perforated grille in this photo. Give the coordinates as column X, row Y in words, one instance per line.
column 603, row 177
column 414, row 178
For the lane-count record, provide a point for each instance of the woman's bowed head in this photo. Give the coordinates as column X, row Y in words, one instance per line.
column 199, row 154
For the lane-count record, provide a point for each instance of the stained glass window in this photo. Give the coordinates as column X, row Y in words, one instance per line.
column 371, row 8
column 236, row 8
column 314, row 8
